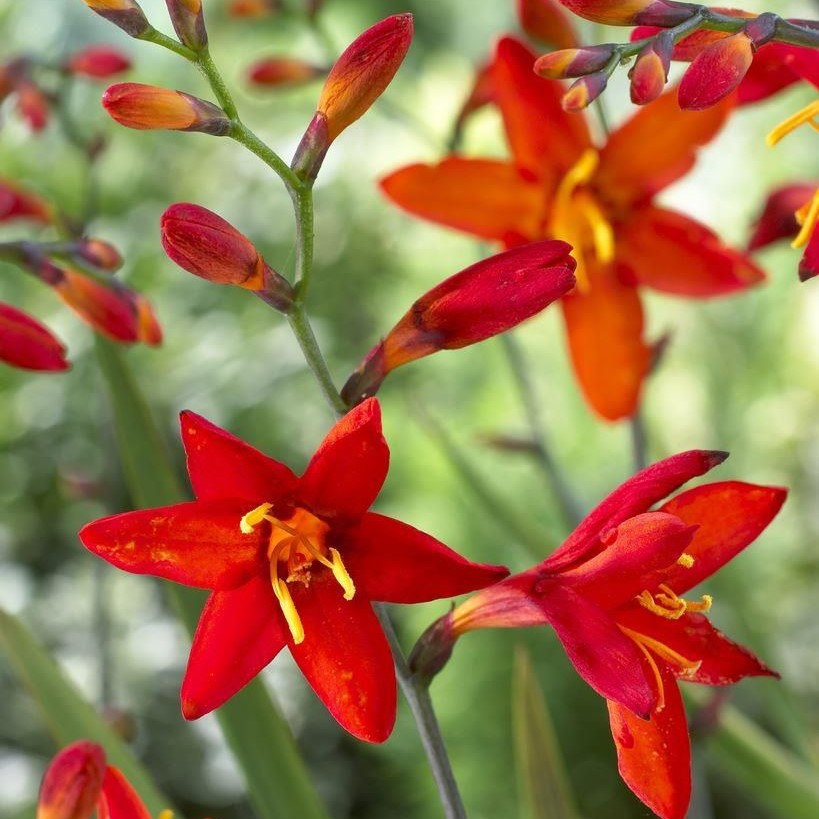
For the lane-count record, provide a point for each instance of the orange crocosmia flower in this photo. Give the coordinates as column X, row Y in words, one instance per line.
column 27, row 344
column 558, row 184
column 631, row 12
column 613, row 593
column 291, row 562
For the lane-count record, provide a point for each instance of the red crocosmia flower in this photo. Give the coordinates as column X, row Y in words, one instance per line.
column 98, row 62
column 291, row 562
column 16, row 203
column 26, row 343
column 599, row 199
column 613, row 592
column 545, row 20
column 79, row 782
column 631, row 12
column 716, row 71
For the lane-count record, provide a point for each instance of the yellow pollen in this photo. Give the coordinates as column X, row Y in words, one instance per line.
column 807, row 116
column 295, row 544
column 668, row 605
column 685, row 560
column 165, row 814
column 807, row 216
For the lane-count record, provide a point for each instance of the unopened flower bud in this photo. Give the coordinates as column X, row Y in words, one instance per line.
column 99, row 62
column 27, row 344
column 204, row 244
column 148, row 107
column 574, row 62
column 762, row 29
column 432, row 650
column 546, row 21
column 716, row 71
column 19, row 204
column 585, row 91
column 253, row 8
column 283, row 71
column 33, row 105
column 97, row 253
column 188, row 20
column 72, row 783
column 663, row 13
column 650, row 72
column 125, row 14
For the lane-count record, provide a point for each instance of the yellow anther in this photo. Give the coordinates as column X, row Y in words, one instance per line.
column 807, row 216
column 254, row 517
column 341, row 575
column 685, row 560
column 288, row 607
column 669, row 605
column 807, row 116
column 165, row 814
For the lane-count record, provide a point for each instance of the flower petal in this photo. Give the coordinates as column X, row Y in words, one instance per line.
column 604, row 327
column 778, row 218
column 674, row 254
column 773, row 70
column 730, row 515
column 349, row 467
column 809, row 264
column 723, row 661
column 637, row 494
column 654, row 148
column 345, row 658
column 119, row 800
column 197, row 544
column 716, row 71
column 222, row 466
column 239, row 633
column 654, row 756
column 545, row 140
column 396, row 563
column 484, row 197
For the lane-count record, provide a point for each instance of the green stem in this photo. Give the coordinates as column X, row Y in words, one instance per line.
column 160, row 39
column 638, row 441
column 244, row 136
column 204, row 62
column 302, row 197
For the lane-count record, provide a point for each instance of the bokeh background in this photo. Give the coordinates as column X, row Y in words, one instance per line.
column 740, row 374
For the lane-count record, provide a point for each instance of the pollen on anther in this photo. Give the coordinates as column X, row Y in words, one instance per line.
column 685, row 560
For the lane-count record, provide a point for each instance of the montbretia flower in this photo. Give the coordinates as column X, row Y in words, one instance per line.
column 291, row 562
column 632, row 12
column 16, row 203
column 98, row 62
column 79, row 782
column 558, row 184
column 614, row 594
column 188, row 19
column 27, row 344
column 488, row 298
column 125, row 14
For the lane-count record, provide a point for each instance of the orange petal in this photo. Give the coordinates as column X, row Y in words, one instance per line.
column 547, row 21
column 119, row 800
column 604, row 327
column 484, row 197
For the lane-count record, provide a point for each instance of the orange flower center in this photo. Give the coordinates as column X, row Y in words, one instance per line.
column 294, row 545
column 577, row 217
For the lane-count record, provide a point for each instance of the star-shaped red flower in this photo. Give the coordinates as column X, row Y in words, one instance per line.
column 292, row 561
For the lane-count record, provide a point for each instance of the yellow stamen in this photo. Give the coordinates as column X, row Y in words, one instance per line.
column 342, row 575
column 807, row 116
column 165, row 814
column 807, row 216
column 254, row 517
column 288, row 607
column 685, row 560
column 668, row 605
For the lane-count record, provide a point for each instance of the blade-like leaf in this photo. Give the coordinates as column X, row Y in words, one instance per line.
column 68, row 716
column 544, row 787
column 261, row 741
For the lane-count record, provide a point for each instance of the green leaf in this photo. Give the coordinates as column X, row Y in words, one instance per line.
column 542, row 780
column 277, row 780
column 68, row 716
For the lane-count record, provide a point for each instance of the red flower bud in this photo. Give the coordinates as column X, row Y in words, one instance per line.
column 73, row 782
column 148, row 107
column 650, row 72
column 32, row 104
column 632, row 12
column 18, row 204
column 716, row 71
column 98, row 254
column 546, row 21
column 125, row 14
column 99, row 62
column 279, row 71
column 573, row 62
column 585, row 91
column 484, row 300
column 253, row 8
column 188, row 21
column 26, row 343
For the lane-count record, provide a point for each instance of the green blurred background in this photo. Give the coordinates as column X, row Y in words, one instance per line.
column 740, row 374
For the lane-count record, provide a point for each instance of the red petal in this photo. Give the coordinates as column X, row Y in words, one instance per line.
column 605, row 333
column 716, row 72
column 674, row 254
column 222, row 466
column 544, row 139
column 239, row 633
column 692, row 636
column 345, row 658
column 393, row 562
column 770, row 72
column 484, row 197
column 546, row 20
column 349, row 467
column 637, row 494
column 119, row 800
column 642, row 544
column 778, row 218
column 730, row 516
column 809, row 265
column 26, row 343
column 72, row 782
column 654, row 148
column 605, row 658
column 654, row 756
column 197, row 544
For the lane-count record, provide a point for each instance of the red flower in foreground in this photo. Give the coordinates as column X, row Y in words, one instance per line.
column 26, row 343
column 79, row 781
column 613, row 593
column 559, row 185
column 291, row 561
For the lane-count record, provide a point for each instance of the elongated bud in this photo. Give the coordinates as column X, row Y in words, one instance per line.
column 283, row 71
column 27, row 344
column 99, row 254
column 33, row 105
column 72, row 783
column 574, row 62
column 19, row 204
column 546, row 21
column 632, row 12
column 481, row 301
column 98, row 62
column 204, row 244
column 148, row 107
column 433, row 649
column 188, row 21
column 585, row 91
column 762, row 29
column 253, row 8
column 716, row 71
column 125, row 14
column 650, row 73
